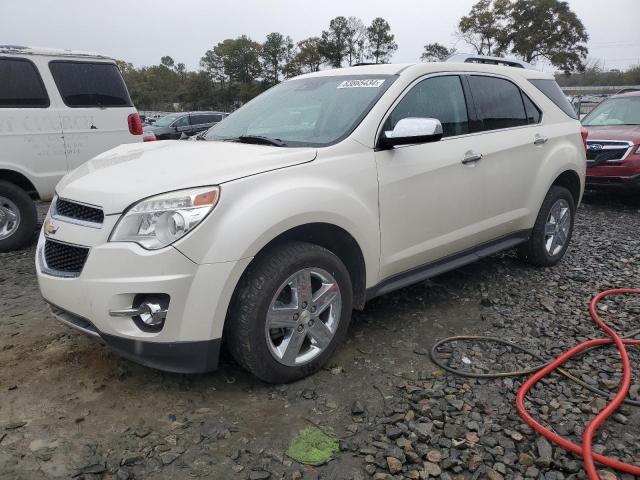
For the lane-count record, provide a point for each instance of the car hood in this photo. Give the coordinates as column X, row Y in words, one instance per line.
column 128, row 173
column 629, row 133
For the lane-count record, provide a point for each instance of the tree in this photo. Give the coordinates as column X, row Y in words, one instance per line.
column 277, row 51
column 333, row 42
column 167, row 61
column 485, row 28
column 548, row 30
column 240, row 58
column 381, row 44
column 356, row 35
column 436, row 52
column 307, row 59
column 213, row 63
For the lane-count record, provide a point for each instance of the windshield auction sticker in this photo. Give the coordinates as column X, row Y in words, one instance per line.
column 364, row 83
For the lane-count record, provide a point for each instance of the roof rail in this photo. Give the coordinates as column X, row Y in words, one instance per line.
column 486, row 59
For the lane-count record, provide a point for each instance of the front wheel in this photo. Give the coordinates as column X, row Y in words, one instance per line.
column 18, row 217
column 552, row 231
column 291, row 310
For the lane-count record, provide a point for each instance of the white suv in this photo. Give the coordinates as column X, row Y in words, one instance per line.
column 323, row 192
column 58, row 109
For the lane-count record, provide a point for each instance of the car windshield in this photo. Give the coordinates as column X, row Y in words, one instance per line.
column 165, row 121
column 317, row 111
column 615, row 111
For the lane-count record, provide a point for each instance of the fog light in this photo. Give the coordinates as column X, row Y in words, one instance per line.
column 151, row 313
column 148, row 311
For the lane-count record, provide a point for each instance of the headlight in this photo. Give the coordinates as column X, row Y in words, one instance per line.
column 159, row 221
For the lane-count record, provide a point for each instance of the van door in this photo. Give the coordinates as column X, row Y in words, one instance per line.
column 30, row 132
column 97, row 117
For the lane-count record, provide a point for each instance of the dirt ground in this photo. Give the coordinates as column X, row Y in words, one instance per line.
column 69, row 407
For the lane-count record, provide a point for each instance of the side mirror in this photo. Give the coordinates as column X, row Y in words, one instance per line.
column 412, row 130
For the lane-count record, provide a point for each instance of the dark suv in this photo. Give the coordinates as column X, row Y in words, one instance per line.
column 174, row 125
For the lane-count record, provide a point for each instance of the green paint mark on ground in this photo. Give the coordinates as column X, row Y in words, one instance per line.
column 313, row 446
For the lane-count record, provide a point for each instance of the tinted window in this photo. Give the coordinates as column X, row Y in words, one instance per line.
column 437, row 97
column 84, row 84
column 181, row 122
column 498, row 101
column 21, row 85
column 551, row 89
column 533, row 113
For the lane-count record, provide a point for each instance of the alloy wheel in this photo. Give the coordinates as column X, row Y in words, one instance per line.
column 303, row 316
column 9, row 218
column 557, row 226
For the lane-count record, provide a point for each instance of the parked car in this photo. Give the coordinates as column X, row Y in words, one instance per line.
column 322, row 193
column 58, row 109
column 613, row 145
column 177, row 125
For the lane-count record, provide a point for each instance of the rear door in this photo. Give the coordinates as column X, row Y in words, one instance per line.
column 513, row 144
column 30, row 131
column 98, row 107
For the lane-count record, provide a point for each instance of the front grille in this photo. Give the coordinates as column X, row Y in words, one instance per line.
column 78, row 211
column 606, row 151
column 64, row 258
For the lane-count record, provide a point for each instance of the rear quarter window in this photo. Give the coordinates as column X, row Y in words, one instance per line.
column 552, row 91
column 21, row 85
column 90, row 84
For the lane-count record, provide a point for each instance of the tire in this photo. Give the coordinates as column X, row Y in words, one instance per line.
column 18, row 217
column 254, row 346
column 536, row 250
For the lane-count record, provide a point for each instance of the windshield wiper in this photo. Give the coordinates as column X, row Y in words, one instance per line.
column 261, row 140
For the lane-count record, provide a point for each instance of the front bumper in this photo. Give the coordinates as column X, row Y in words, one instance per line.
column 177, row 357
column 603, row 181
column 112, row 276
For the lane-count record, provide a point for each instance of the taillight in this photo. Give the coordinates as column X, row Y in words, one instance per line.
column 135, row 125
column 585, row 134
column 149, row 136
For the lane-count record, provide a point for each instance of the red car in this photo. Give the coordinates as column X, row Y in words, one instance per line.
column 613, row 143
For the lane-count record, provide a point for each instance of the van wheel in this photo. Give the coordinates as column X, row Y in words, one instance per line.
column 552, row 231
column 289, row 313
column 18, row 217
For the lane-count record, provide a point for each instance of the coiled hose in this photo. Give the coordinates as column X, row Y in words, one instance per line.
column 585, row 450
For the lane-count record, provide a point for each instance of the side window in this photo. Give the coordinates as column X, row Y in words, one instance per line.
column 216, row 118
column 85, row 84
column 436, row 97
column 498, row 101
column 198, row 119
column 533, row 114
column 21, row 85
column 181, row 122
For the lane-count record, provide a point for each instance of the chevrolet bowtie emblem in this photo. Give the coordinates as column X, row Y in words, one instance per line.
column 49, row 228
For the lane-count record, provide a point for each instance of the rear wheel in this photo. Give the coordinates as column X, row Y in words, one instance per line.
column 290, row 312
column 552, row 231
column 18, row 217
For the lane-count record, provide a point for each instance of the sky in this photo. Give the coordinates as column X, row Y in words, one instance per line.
column 142, row 31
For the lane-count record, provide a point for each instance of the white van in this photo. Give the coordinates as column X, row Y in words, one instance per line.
column 58, row 109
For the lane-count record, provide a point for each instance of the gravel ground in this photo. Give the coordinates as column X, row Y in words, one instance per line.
column 69, row 407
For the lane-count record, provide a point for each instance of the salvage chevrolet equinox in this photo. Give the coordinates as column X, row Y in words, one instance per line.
column 325, row 191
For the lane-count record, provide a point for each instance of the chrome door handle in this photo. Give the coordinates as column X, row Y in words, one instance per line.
column 472, row 158
column 540, row 140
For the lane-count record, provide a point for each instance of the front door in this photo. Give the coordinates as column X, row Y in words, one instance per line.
column 430, row 200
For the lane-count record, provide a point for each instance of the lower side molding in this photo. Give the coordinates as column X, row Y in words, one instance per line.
column 446, row 264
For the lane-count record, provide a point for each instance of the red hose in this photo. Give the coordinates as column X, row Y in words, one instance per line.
column 585, row 450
